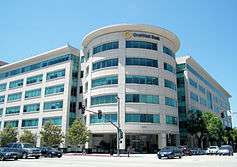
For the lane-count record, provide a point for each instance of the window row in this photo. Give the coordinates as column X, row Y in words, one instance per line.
column 33, row 80
column 108, row 80
column 48, row 106
column 132, row 98
column 106, row 46
column 36, row 66
column 138, row 79
column 52, row 90
column 34, row 122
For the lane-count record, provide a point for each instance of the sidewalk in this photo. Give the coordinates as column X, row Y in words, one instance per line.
column 108, row 155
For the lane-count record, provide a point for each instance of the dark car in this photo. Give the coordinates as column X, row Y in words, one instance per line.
column 25, row 150
column 51, row 152
column 6, row 154
column 169, row 152
column 185, row 150
column 197, row 151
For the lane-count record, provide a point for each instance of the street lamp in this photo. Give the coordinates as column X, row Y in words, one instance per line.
column 118, row 124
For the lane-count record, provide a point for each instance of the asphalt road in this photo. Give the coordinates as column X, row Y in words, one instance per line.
column 133, row 161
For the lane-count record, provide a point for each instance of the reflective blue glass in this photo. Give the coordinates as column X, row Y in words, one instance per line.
column 53, row 105
column 169, row 52
column 16, row 84
column 105, row 118
column 105, row 99
column 2, row 99
column 170, row 102
column 108, row 80
column 171, row 120
column 106, row 46
column 194, row 96
column 105, row 64
column 34, row 79
column 169, row 68
column 55, row 120
column 142, row 98
column 170, row 84
column 55, row 74
column 54, row 89
column 141, row 45
column 144, row 118
column 138, row 79
column 33, row 93
column 193, row 83
column 31, row 108
column 14, row 97
column 13, row 123
column 3, row 87
column 133, row 61
column 29, row 123
column 13, row 110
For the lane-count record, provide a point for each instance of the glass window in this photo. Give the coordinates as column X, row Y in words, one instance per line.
column 144, row 118
column 31, row 108
column 202, row 89
column 193, row 83
column 105, row 63
column 108, row 80
column 13, row 110
column 105, row 118
column 194, row 96
column 142, row 98
column 133, row 61
column 53, row 105
column 54, row 120
column 105, row 99
column 2, row 99
column 202, row 101
column 16, row 84
column 1, row 111
column 171, row 120
column 106, row 46
column 138, row 79
column 141, row 45
column 3, row 87
column 54, row 89
column 13, row 123
column 55, row 74
column 168, row 51
column 33, row 93
column 170, row 102
column 29, row 123
column 14, row 97
column 34, row 79
column 170, row 84
column 82, row 59
column 169, row 68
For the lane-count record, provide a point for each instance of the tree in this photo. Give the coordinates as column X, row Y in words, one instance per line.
column 28, row 137
column 8, row 135
column 51, row 135
column 196, row 125
column 78, row 133
column 215, row 128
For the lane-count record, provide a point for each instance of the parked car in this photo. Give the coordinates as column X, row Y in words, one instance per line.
column 25, row 149
column 212, row 150
column 197, row 151
column 226, row 150
column 6, row 154
column 185, row 150
column 50, row 152
column 169, row 152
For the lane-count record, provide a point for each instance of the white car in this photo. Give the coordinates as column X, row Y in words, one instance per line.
column 212, row 150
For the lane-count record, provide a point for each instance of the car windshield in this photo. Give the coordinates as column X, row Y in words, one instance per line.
column 213, row 147
column 167, row 149
column 28, row 146
column 224, row 148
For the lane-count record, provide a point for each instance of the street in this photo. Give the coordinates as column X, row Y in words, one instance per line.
column 149, row 160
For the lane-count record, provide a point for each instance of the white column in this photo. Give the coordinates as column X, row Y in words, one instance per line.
column 162, row 140
column 122, row 142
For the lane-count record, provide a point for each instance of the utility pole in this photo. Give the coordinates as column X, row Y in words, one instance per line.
column 118, row 129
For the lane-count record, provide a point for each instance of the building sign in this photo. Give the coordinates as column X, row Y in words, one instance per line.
column 129, row 35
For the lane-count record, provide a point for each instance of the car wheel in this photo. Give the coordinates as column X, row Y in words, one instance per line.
column 159, row 157
column 180, row 156
column 24, row 156
column 2, row 158
column 37, row 157
column 50, row 155
column 15, row 158
column 59, row 156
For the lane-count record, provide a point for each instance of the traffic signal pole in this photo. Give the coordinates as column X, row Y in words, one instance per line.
column 118, row 128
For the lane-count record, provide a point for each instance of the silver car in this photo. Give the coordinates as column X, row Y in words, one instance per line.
column 226, row 150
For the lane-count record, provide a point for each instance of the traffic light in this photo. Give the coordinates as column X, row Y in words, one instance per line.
column 120, row 134
column 99, row 114
column 222, row 115
column 82, row 108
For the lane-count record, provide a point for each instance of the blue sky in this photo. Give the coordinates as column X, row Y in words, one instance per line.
column 207, row 29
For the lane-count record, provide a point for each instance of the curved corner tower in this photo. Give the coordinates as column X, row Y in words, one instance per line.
column 135, row 63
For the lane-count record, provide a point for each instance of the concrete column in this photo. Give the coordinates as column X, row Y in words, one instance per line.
column 89, row 143
column 177, row 139
column 162, row 140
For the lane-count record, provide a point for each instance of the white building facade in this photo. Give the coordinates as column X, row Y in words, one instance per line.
column 197, row 90
column 135, row 63
column 40, row 89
